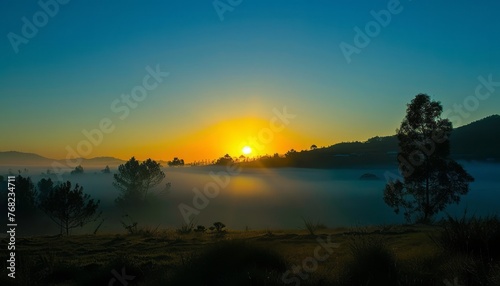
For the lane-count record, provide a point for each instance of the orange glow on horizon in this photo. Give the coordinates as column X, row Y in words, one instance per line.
column 235, row 137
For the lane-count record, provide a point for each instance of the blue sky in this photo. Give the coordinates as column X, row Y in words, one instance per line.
column 264, row 54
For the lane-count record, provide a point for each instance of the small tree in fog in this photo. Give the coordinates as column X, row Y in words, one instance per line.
column 432, row 180
column 135, row 179
column 78, row 170
column 106, row 170
column 176, row 162
column 69, row 208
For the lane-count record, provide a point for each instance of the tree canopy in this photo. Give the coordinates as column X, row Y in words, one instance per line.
column 26, row 198
column 69, row 208
column 431, row 179
column 176, row 162
column 135, row 179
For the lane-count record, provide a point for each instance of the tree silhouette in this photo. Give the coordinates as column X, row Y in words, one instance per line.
column 69, row 208
column 106, row 170
column 135, row 179
column 291, row 153
column 226, row 160
column 176, row 162
column 431, row 180
column 26, row 195
column 78, row 170
column 314, row 147
column 45, row 186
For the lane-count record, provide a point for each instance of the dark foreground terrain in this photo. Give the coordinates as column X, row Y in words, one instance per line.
column 460, row 252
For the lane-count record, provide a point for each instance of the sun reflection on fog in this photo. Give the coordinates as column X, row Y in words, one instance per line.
column 247, row 186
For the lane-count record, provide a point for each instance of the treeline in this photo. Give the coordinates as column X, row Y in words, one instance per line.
column 68, row 206
column 322, row 158
column 476, row 141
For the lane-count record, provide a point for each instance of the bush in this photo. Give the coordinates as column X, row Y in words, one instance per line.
column 232, row 263
column 373, row 263
column 473, row 245
column 200, row 229
column 186, row 228
column 218, row 229
column 474, row 236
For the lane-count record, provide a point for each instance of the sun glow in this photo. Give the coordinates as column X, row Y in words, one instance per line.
column 246, row 150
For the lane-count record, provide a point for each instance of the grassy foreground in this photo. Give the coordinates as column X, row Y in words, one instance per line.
column 386, row 255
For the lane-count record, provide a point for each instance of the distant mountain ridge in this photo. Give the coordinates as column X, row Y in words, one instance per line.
column 15, row 158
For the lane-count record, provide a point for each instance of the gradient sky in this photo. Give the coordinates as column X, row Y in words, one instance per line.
column 225, row 77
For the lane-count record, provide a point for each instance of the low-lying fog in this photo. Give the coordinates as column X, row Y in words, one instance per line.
column 270, row 198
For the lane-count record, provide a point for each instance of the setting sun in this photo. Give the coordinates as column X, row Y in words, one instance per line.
column 247, row 150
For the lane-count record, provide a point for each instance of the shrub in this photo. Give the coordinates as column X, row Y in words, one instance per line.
column 218, row 229
column 474, row 236
column 219, row 226
column 185, row 228
column 312, row 227
column 232, row 263
column 373, row 263
column 200, row 229
column 473, row 245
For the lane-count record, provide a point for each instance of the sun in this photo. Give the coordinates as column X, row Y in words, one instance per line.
column 247, row 150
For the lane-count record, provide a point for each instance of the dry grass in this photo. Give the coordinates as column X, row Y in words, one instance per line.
column 155, row 258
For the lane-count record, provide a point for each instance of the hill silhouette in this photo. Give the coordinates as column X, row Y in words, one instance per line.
column 14, row 158
column 21, row 159
column 478, row 140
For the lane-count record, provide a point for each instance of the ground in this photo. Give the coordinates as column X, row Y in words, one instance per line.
column 67, row 260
